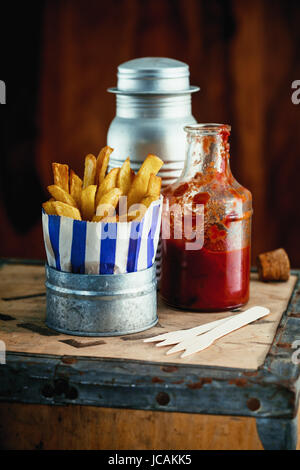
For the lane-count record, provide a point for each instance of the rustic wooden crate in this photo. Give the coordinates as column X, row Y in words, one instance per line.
column 238, row 393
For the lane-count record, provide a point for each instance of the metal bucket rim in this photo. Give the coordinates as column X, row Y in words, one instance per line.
column 95, row 276
column 104, row 333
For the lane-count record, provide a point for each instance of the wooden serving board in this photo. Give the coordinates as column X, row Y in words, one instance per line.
column 23, row 329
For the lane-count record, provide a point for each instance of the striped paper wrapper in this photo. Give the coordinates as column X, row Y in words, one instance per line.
column 82, row 247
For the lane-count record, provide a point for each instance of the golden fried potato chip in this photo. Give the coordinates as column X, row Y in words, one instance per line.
column 138, row 189
column 61, row 175
column 49, row 207
column 66, row 210
column 103, row 168
column 138, row 210
column 61, row 195
column 89, row 170
column 104, row 191
column 109, row 183
column 75, row 187
column 132, row 174
column 147, row 201
column 104, row 154
column 88, row 202
column 125, row 177
column 154, row 186
column 108, row 200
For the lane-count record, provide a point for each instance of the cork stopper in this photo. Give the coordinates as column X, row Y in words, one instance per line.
column 273, row 265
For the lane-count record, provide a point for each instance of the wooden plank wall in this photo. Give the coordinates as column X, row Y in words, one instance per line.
column 45, row 427
column 243, row 55
column 29, row 427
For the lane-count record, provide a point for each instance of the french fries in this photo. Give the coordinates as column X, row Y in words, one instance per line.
column 154, row 186
column 147, row 201
column 49, row 208
column 61, row 195
column 100, row 196
column 125, row 177
column 75, row 188
column 61, row 175
column 108, row 202
column 138, row 189
column 104, row 154
column 66, row 210
column 109, row 183
column 88, row 202
column 104, row 165
column 89, row 170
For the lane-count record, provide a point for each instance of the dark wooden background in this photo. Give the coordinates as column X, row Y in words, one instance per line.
column 59, row 57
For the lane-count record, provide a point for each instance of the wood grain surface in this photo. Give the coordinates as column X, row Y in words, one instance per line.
column 23, row 329
column 91, row 428
column 44, row 427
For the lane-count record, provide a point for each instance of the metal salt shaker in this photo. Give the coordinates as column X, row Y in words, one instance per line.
column 153, row 98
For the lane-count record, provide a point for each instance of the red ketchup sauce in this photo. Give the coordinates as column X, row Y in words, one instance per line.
column 205, row 280
column 215, row 277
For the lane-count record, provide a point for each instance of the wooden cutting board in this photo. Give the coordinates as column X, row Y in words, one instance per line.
column 23, row 329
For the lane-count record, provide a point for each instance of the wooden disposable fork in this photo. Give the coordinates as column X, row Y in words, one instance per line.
column 201, row 337
column 174, row 337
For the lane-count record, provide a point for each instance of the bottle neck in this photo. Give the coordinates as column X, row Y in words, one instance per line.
column 207, row 153
column 155, row 106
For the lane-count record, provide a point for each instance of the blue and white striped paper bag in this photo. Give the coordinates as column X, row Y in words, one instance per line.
column 102, row 248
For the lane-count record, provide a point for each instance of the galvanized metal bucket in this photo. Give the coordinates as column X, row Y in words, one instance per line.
column 101, row 305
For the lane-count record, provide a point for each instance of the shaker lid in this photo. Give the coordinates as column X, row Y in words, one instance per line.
column 153, row 75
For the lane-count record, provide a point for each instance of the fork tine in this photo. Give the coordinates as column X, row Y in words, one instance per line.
column 162, row 337
column 175, row 339
column 195, row 348
column 179, row 347
column 155, row 338
column 242, row 319
column 193, row 333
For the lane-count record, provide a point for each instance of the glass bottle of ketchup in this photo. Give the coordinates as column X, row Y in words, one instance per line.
column 206, row 228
